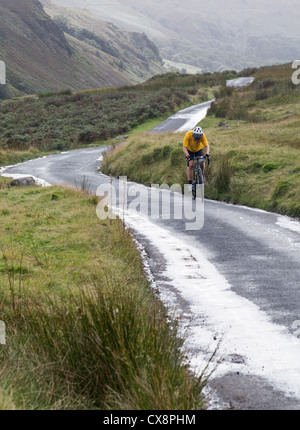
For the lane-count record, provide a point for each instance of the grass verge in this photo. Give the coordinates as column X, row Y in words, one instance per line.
column 84, row 329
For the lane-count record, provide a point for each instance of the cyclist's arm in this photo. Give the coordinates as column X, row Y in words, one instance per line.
column 205, row 143
column 186, row 152
column 186, row 143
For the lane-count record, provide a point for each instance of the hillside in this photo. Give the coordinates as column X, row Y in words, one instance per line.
column 130, row 54
column 210, row 35
column 40, row 57
column 67, row 120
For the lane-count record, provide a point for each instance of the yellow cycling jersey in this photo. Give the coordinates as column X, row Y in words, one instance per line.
column 192, row 144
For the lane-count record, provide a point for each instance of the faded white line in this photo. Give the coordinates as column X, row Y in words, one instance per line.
column 289, row 223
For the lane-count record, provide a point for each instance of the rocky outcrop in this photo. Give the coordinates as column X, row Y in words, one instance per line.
column 23, row 182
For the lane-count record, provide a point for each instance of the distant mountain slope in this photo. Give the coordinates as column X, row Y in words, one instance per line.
column 130, row 53
column 40, row 57
column 210, row 35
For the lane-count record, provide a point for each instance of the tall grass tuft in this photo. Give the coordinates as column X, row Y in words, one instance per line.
column 111, row 347
column 223, row 174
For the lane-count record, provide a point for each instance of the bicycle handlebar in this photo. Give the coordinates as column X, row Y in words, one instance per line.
column 201, row 157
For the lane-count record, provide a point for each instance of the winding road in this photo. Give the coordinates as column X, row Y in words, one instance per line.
column 233, row 277
column 184, row 120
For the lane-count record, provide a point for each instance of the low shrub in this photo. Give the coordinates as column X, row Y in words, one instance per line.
column 261, row 94
column 266, row 83
column 223, row 175
column 294, row 210
column 282, row 187
column 147, row 159
column 157, row 154
column 66, row 119
column 177, row 157
column 224, row 91
column 166, row 150
column 268, row 167
column 257, row 165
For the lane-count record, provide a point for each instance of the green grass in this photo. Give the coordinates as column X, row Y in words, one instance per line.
column 84, row 329
column 10, row 157
column 147, row 125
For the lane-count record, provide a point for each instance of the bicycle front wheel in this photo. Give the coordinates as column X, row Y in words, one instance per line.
column 194, row 190
column 200, row 177
column 199, row 187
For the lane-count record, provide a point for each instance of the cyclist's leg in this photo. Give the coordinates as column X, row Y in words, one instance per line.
column 201, row 154
column 200, row 177
column 190, row 168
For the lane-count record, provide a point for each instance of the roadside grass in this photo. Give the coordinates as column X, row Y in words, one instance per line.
column 84, row 329
column 9, row 157
column 147, row 125
column 148, row 158
column 264, row 165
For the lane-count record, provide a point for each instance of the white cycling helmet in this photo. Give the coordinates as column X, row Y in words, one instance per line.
column 197, row 133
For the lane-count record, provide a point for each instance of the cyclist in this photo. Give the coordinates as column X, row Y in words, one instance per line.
column 193, row 144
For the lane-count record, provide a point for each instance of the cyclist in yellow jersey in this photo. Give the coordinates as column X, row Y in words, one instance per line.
column 193, row 144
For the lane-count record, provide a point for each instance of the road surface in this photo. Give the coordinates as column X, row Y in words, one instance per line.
column 185, row 119
column 234, row 280
column 188, row 118
column 239, row 82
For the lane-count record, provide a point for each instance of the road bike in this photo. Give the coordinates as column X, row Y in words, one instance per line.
column 198, row 177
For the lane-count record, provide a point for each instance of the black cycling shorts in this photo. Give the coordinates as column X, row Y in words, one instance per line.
column 196, row 154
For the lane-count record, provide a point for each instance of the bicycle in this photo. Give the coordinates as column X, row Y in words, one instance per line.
column 198, row 177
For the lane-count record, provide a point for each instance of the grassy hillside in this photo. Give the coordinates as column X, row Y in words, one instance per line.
column 83, row 328
column 40, row 57
column 36, row 52
column 210, row 35
column 67, row 120
column 254, row 137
